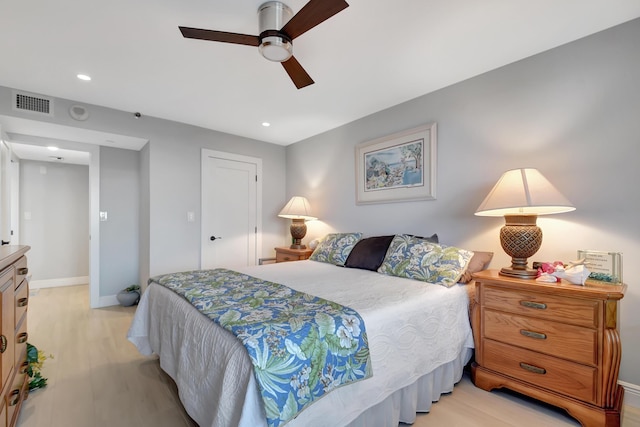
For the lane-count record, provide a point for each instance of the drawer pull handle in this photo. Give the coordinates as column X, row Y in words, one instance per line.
column 3, row 344
column 24, row 367
column 536, row 305
column 15, row 397
column 532, row 368
column 22, row 338
column 22, row 302
column 531, row 334
column 23, row 270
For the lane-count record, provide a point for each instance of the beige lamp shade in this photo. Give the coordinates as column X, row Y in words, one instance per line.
column 298, row 210
column 520, row 195
column 523, row 191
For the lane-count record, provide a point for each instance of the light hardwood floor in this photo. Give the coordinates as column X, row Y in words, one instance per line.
column 98, row 379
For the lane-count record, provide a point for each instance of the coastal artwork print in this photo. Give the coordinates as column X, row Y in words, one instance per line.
column 399, row 167
column 394, row 167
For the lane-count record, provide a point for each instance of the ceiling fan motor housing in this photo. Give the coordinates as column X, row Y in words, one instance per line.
column 274, row 45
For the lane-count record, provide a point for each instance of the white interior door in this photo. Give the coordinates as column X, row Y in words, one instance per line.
column 230, row 210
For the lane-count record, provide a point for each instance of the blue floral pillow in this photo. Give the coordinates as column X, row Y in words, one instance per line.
column 415, row 258
column 335, row 248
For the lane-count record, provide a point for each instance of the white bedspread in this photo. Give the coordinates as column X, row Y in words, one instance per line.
column 413, row 328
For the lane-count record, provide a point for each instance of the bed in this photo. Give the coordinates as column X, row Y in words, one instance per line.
column 419, row 339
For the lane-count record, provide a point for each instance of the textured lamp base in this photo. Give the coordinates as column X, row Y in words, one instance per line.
column 520, row 238
column 298, row 230
column 526, row 273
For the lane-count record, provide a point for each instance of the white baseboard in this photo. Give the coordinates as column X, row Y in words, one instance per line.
column 631, row 394
column 54, row 283
column 107, row 301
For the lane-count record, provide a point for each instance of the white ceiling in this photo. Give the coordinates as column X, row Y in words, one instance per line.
column 371, row 56
column 31, row 139
column 43, row 154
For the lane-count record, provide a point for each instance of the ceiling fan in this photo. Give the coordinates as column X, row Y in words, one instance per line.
column 277, row 31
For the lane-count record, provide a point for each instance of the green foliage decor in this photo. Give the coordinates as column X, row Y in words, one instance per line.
column 35, row 359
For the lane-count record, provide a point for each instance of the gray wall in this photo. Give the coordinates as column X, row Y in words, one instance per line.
column 57, row 197
column 174, row 178
column 143, row 217
column 572, row 112
column 119, row 235
column 170, row 183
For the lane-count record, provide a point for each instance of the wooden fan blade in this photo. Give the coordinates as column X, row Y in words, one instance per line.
column 219, row 36
column 312, row 14
column 297, row 74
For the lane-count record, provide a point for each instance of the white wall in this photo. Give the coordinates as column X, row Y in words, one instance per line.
column 54, row 219
column 572, row 112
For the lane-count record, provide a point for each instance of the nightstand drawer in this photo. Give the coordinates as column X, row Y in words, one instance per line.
column 287, row 257
column 289, row 254
column 571, row 379
column 570, row 310
column 570, row 342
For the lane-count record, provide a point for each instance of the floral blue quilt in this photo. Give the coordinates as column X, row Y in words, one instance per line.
column 301, row 346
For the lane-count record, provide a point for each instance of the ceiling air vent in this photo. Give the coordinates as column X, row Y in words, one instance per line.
column 32, row 103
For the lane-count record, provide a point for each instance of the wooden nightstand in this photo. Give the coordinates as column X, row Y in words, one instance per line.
column 284, row 254
column 555, row 342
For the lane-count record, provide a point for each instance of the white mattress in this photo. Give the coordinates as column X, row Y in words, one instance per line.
column 413, row 328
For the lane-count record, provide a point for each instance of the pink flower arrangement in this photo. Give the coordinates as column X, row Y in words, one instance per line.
column 549, row 268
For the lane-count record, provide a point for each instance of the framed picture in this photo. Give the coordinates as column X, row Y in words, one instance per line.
column 604, row 266
column 397, row 168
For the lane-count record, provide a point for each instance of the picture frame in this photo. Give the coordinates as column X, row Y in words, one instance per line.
column 397, row 168
column 604, row 267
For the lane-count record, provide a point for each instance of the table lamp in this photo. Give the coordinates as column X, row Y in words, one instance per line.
column 520, row 195
column 298, row 210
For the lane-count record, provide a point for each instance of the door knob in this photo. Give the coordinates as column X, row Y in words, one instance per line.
column 214, row 238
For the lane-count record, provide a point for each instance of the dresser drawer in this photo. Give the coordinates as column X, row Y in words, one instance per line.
column 3, row 413
column 21, row 342
column 562, row 376
column 21, row 270
column 14, row 397
column 21, row 300
column 570, row 342
column 574, row 311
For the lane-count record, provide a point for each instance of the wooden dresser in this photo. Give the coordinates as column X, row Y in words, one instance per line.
column 556, row 342
column 284, row 254
column 14, row 298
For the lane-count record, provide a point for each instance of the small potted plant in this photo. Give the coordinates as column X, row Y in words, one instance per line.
column 129, row 295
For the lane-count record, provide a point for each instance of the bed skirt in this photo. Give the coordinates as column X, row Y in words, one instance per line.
column 404, row 404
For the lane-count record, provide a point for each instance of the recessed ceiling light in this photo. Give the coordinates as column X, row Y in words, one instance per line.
column 84, row 77
column 52, row 148
column 266, row 124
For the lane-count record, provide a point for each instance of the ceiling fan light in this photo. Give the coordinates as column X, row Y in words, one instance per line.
column 276, row 49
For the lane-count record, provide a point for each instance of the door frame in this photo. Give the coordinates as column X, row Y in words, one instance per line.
column 95, row 300
column 205, row 154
